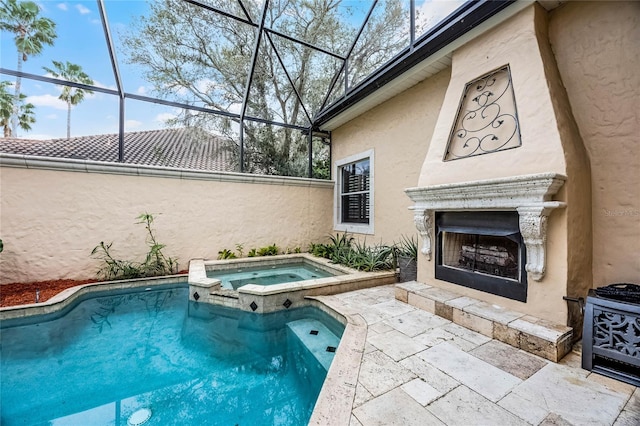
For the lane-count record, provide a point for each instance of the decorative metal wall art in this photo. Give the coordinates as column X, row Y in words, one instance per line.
column 487, row 120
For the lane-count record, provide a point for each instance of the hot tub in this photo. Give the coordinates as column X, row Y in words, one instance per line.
column 280, row 281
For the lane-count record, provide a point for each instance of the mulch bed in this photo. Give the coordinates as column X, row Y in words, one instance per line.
column 24, row 293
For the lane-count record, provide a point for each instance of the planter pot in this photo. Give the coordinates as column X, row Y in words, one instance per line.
column 408, row 268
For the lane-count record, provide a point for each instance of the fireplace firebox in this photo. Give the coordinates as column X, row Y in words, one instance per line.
column 483, row 251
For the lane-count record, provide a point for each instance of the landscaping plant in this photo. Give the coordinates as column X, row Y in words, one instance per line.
column 154, row 264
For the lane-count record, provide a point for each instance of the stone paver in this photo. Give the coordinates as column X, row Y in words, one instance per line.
column 379, row 373
column 507, row 358
column 396, row 345
column 556, row 389
column 462, row 406
column 421, row 369
column 394, row 408
column 484, row 378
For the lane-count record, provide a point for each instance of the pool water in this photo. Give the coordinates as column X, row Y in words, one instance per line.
column 110, row 358
column 235, row 278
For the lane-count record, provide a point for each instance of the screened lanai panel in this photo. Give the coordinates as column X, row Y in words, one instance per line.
column 45, row 109
column 249, row 10
column 309, row 70
column 338, row 90
column 184, row 53
column 160, row 135
column 327, row 25
column 385, row 35
column 275, row 150
column 431, row 12
column 59, row 39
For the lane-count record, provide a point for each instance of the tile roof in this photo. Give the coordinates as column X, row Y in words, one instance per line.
column 188, row 148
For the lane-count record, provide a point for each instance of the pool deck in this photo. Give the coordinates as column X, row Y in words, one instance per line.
column 401, row 365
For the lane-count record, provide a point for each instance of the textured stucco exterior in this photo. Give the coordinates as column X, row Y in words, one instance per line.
column 51, row 220
column 576, row 85
column 596, row 48
column 399, row 132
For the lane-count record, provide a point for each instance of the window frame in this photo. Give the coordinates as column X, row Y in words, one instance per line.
column 353, row 227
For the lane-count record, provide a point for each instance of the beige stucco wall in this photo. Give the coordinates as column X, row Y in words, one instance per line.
column 596, row 45
column 51, row 220
column 399, row 132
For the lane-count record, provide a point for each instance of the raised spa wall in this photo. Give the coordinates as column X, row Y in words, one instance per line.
column 277, row 297
column 551, row 148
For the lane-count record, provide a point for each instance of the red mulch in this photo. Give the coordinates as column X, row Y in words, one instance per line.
column 23, row 293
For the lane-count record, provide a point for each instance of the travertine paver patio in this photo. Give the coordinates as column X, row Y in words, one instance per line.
column 420, row 369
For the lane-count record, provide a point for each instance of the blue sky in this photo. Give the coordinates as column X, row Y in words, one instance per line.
column 81, row 41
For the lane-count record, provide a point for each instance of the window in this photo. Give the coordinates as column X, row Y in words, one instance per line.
column 354, row 194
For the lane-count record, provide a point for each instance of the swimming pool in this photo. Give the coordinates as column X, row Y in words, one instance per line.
column 108, row 358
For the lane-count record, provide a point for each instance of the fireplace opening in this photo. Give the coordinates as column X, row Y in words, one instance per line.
column 483, row 251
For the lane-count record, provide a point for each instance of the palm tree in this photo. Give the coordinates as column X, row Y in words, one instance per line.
column 32, row 32
column 9, row 108
column 71, row 95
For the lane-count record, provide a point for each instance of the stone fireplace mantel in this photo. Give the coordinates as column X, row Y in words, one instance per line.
column 529, row 195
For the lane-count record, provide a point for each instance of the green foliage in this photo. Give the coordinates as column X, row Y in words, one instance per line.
column 154, row 264
column 240, row 250
column 9, row 107
column 70, row 95
column 271, row 250
column 343, row 250
column 31, row 33
column 226, row 254
column 176, row 48
column 253, row 252
column 407, row 247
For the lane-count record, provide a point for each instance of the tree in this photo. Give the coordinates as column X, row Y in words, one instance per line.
column 71, row 95
column 8, row 107
column 201, row 58
column 31, row 33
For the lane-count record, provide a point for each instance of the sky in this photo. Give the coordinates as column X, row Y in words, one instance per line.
column 81, row 41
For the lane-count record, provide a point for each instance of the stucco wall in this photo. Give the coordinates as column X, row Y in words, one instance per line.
column 399, row 132
column 51, row 220
column 596, row 45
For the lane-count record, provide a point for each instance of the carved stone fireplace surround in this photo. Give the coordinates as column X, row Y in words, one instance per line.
column 529, row 195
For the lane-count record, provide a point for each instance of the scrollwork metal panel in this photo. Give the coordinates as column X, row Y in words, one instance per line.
column 487, row 119
column 616, row 332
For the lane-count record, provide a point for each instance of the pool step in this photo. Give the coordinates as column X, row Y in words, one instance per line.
column 317, row 338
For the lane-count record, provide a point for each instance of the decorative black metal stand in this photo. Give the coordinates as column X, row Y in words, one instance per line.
column 611, row 335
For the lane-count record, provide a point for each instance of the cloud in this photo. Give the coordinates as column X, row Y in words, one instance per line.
column 141, row 90
column 63, row 6
column 433, row 11
column 82, row 9
column 164, row 117
column 47, row 100
column 131, row 124
column 51, row 116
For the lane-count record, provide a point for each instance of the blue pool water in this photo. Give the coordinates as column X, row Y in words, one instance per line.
column 235, row 278
column 189, row 364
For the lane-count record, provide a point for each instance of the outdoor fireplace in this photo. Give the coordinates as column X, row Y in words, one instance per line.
column 483, row 251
